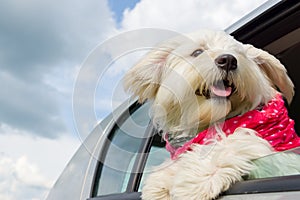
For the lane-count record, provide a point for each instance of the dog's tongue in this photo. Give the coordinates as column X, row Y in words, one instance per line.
column 221, row 91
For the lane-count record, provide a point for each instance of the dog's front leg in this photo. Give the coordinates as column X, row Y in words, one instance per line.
column 204, row 177
column 158, row 184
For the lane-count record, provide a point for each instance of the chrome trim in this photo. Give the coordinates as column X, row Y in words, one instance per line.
column 253, row 14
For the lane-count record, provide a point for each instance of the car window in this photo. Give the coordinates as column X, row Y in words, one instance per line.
column 123, row 144
column 280, row 164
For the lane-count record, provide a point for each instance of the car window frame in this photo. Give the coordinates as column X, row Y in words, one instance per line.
column 119, row 196
column 139, row 162
column 265, row 185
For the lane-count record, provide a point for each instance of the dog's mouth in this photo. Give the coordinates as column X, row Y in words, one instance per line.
column 221, row 89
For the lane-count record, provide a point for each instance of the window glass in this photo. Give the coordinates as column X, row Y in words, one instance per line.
column 284, row 163
column 157, row 155
column 126, row 138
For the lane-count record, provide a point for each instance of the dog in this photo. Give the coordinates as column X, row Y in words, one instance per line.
column 220, row 105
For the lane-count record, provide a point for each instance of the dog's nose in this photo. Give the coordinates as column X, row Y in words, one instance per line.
column 226, row 62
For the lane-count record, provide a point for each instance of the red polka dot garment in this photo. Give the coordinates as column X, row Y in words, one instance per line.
column 272, row 123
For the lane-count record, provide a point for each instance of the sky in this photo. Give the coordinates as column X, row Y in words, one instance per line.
column 48, row 103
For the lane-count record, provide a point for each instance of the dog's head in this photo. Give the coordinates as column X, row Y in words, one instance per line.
column 201, row 78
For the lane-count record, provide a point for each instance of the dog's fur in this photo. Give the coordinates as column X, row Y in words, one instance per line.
column 180, row 82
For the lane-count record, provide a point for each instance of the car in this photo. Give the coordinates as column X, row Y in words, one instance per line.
column 119, row 153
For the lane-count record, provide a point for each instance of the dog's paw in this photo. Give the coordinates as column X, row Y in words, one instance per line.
column 202, row 179
column 155, row 193
column 158, row 183
column 194, row 190
column 155, row 188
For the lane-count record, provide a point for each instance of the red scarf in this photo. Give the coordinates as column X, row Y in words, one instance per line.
column 271, row 123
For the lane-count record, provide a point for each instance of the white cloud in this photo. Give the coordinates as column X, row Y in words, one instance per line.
column 29, row 165
column 186, row 16
column 29, row 173
column 21, row 179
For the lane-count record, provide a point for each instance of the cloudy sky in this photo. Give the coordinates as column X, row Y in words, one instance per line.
column 43, row 47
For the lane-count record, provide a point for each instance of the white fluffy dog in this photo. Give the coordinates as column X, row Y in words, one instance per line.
column 219, row 104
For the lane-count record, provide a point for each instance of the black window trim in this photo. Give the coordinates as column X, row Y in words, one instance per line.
column 269, row 25
column 98, row 169
column 140, row 161
column 266, row 185
column 257, row 186
column 119, row 196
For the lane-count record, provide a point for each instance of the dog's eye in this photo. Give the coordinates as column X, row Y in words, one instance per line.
column 197, row 52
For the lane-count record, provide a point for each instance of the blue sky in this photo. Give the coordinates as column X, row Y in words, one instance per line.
column 118, row 6
column 43, row 47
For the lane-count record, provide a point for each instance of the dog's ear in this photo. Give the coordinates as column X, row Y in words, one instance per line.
column 273, row 69
column 143, row 79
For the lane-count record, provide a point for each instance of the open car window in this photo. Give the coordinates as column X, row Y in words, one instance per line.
column 272, row 178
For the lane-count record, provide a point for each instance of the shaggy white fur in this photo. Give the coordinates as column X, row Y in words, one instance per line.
column 196, row 81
